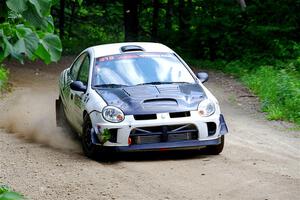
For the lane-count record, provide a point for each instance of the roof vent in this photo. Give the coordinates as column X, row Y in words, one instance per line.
column 131, row 48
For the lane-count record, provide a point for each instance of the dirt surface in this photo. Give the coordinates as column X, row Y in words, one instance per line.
column 261, row 159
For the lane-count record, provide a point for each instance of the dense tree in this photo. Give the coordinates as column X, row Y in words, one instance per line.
column 207, row 29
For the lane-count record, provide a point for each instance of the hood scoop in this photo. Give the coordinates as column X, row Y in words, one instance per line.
column 155, row 103
column 141, row 91
column 168, row 89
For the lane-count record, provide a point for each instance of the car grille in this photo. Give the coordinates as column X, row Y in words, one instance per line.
column 145, row 117
column 180, row 114
column 154, row 116
column 156, row 134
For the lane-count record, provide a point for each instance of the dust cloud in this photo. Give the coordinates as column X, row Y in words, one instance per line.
column 31, row 115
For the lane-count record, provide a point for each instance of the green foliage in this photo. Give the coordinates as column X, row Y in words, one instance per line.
column 279, row 92
column 105, row 136
column 221, row 30
column 3, row 78
column 211, row 29
column 276, row 83
column 28, row 31
column 90, row 23
column 7, row 194
column 49, row 48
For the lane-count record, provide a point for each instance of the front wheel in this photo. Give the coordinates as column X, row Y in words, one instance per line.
column 216, row 149
column 90, row 150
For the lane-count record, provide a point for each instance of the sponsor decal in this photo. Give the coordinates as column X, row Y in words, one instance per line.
column 132, row 56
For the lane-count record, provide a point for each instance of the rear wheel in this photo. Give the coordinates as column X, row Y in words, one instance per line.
column 62, row 121
column 60, row 113
column 216, row 149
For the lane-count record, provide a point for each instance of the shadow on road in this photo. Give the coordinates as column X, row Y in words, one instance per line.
column 113, row 158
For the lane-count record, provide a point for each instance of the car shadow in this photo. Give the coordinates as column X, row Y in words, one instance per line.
column 151, row 156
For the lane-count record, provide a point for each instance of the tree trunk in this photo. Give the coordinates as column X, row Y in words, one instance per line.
column 169, row 14
column 155, row 20
column 181, row 18
column 242, row 4
column 131, row 22
column 62, row 18
column 73, row 7
column 212, row 49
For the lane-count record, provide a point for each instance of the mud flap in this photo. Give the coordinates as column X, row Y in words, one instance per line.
column 58, row 111
column 223, row 126
column 94, row 138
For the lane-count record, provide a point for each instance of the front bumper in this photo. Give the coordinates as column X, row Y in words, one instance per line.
column 125, row 129
column 189, row 144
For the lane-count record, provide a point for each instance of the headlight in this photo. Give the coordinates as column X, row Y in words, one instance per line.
column 113, row 114
column 206, row 108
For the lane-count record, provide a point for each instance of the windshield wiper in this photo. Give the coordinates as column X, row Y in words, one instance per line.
column 159, row 83
column 110, row 85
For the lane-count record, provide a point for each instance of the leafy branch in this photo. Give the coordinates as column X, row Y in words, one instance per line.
column 27, row 31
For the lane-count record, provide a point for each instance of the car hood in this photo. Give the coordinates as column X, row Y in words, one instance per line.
column 150, row 99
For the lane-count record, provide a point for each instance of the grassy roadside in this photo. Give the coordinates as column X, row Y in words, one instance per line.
column 3, row 78
column 276, row 83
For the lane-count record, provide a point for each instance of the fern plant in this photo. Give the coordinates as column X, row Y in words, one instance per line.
column 7, row 194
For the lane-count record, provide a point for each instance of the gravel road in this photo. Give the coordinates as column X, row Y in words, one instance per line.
column 261, row 159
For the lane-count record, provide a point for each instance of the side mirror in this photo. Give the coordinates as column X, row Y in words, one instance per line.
column 78, row 86
column 203, row 76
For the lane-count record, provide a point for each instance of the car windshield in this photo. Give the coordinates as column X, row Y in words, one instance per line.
column 139, row 69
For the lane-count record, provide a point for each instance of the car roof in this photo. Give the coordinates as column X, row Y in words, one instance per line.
column 116, row 48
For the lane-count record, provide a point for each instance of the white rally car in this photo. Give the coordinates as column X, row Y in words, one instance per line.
column 138, row 96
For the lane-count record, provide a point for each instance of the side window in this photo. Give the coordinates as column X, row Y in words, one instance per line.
column 76, row 66
column 84, row 71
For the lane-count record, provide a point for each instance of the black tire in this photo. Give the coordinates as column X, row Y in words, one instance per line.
column 90, row 150
column 216, row 149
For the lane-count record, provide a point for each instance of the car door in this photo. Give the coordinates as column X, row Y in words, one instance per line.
column 72, row 75
column 78, row 97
